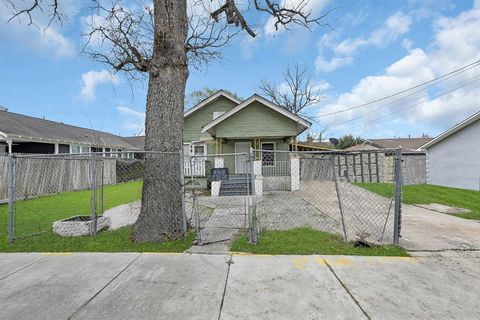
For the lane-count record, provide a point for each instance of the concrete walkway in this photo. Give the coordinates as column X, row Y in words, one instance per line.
column 197, row 286
column 424, row 229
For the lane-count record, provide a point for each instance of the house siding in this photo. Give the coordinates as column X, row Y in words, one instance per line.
column 194, row 122
column 455, row 161
column 256, row 120
column 229, row 147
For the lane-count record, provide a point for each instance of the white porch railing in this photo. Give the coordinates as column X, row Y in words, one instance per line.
column 280, row 168
column 198, row 167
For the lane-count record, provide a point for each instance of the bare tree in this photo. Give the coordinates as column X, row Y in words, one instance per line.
column 295, row 93
column 159, row 40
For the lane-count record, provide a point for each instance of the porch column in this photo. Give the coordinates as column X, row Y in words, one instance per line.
column 294, row 173
column 10, row 143
column 218, row 162
column 257, row 172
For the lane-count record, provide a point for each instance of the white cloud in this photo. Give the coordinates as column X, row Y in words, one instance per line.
column 455, row 44
column 315, row 7
column 41, row 39
column 92, row 78
column 343, row 52
column 135, row 119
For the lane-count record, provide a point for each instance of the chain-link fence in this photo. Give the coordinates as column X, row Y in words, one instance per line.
column 219, row 196
column 329, row 191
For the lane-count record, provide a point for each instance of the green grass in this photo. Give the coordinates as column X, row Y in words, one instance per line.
column 310, row 241
column 425, row 194
column 38, row 215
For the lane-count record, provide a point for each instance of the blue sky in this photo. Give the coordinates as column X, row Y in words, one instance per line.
column 371, row 49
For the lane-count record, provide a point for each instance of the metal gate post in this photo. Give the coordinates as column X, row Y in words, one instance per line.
column 182, row 191
column 94, row 195
column 198, row 230
column 397, row 221
column 253, row 206
column 11, row 199
column 340, row 207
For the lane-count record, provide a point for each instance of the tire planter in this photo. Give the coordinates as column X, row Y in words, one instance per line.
column 79, row 226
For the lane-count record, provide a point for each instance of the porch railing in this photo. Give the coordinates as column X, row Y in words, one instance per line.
column 279, row 168
column 198, row 167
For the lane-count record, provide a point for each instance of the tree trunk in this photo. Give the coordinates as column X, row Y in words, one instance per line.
column 161, row 214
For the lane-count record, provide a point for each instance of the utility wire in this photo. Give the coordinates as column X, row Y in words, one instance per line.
column 477, row 78
column 446, row 76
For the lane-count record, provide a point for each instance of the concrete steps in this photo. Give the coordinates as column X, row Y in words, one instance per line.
column 236, row 185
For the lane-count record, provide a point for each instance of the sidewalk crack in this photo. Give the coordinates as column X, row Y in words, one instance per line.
column 348, row 291
column 229, row 262
column 104, row 287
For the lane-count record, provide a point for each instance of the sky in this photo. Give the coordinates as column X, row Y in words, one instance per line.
column 368, row 51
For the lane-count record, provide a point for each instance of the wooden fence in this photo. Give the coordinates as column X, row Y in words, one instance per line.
column 365, row 166
column 41, row 176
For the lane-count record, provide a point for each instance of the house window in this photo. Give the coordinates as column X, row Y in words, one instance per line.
column 84, row 149
column 199, row 150
column 107, row 152
column 63, row 148
column 74, row 148
column 217, row 114
column 95, row 149
column 268, row 158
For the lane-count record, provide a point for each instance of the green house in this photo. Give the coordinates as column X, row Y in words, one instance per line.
column 223, row 125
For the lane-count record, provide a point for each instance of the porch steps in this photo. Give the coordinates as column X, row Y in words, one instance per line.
column 236, row 185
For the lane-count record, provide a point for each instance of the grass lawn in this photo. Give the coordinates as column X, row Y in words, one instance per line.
column 38, row 214
column 310, row 241
column 425, row 194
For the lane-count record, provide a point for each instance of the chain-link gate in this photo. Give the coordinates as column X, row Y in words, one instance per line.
column 219, row 196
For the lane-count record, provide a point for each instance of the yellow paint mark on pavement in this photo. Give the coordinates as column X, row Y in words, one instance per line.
column 300, row 262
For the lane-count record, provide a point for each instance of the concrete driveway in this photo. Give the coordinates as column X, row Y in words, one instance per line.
column 196, row 286
column 424, row 229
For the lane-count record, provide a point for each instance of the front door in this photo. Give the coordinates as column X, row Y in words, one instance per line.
column 240, row 159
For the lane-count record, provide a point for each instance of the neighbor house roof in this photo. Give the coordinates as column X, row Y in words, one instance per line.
column 304, row 123
column 459, row 126
column 18, row 126
column 137, row 141
column 312, row 145
column 404, row 143
column 211, row 98
column 361, row 147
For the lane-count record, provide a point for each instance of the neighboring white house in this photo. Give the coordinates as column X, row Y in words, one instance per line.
column 453, row 157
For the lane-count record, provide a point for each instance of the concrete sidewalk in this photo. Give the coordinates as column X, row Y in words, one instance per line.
column 196, row 286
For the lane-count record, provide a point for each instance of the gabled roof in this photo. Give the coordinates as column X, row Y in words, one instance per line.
column 263, row 101
column 404, row 143
column 18, row 126
column 211, row 98
column 459, row 126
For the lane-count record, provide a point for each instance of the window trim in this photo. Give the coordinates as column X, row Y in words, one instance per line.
column 273, row 151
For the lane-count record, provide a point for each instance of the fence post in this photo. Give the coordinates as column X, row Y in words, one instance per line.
column 182, row 190
column 253, row 207
column 94, row 195
column 198, row 229
column 340, row 207
column 11, row 199
column 397, row 222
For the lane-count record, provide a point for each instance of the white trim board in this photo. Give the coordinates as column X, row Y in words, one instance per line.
column 263, row 101
column 206, row 101
column 459, row 126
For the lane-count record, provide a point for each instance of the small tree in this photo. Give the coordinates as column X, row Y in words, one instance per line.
column 348, row 141
column 295, row 93
column 195, row 97
column 159, row 40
